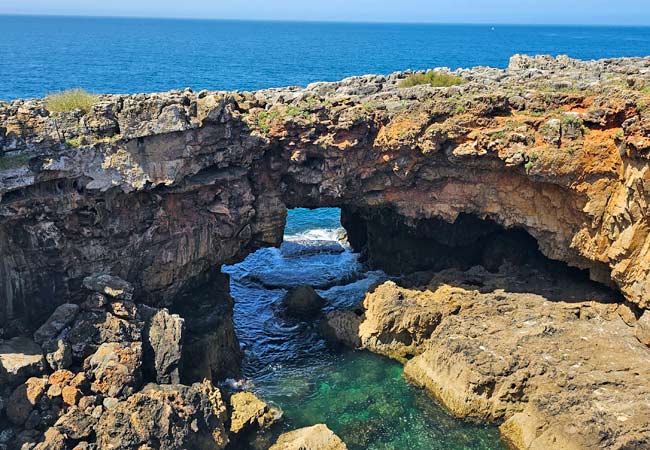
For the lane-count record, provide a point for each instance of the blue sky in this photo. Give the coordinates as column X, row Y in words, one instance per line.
column 627, row 12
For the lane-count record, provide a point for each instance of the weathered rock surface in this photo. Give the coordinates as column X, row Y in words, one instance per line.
column 171, row 416
column 20, row 358
column 165, row 187
column 550, row 356
column 318, row 437
column 163, row 337
column 302, row 302
column 249, row 413
column 159, row 190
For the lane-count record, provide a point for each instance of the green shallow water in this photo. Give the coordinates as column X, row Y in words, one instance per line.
column 366, row 401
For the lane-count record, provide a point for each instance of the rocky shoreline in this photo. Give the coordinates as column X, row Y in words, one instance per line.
column 113, row 221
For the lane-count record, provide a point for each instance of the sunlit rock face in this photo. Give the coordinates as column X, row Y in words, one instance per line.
column 161, row 189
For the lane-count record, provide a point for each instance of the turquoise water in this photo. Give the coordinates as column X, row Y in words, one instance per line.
column 44, row 54
column 361, row 396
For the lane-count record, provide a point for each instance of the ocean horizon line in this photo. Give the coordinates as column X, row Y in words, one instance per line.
column 325, row 21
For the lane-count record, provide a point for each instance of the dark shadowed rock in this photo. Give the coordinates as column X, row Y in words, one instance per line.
column 302, row 302
column 23, row 399
column 62, row 317
column 109, row 285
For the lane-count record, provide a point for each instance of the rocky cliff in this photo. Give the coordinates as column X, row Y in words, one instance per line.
column 162, row 189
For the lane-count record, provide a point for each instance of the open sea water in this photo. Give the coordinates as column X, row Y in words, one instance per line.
column 362, row 397
column 39, row 55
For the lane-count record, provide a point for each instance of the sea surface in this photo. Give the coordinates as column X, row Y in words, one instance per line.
column 39, row 55
column 361, row 396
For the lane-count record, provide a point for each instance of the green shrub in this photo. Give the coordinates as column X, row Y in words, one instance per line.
column 73, row 143
column 264, row 119
column 435, row 79
column 70, row 100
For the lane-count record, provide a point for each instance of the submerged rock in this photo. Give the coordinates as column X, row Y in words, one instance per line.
column 317, row 437
column 302, row 302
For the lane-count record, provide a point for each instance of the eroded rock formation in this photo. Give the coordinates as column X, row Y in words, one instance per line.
column 557, row 360
column 160, row 189
column 150, row 194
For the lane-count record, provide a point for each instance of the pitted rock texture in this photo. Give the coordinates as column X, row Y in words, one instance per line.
column 317, row 437
column 121, row 387
column 158, row 189
column 557, row 361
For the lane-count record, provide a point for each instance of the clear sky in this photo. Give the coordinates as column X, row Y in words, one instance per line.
column 625, row 12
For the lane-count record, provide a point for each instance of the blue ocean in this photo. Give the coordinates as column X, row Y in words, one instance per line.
column 361, row 396
column 39, row 55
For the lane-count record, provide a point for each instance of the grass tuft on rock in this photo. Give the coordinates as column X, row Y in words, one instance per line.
column 435, row 79
column 70, row 100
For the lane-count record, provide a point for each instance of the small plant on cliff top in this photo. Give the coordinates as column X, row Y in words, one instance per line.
column 435, row 79
column 70, row 100
column 532, row 159
column 264, row 119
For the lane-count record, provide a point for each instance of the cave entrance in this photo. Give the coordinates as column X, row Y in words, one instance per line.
column 399, row 246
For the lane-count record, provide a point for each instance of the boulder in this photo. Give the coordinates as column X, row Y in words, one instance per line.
column 20, row 358
column 24, row 398
column 109, row 285
column 76, row 424
column 62, row 317
column 318, row 437
column 162, row 346
column 93, row 328
column 302, row 302
column 115, row 369
column 249, row 413
column 172, row 416
column 59, row 354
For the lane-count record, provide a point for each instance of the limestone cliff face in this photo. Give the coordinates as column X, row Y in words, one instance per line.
column 160, row 189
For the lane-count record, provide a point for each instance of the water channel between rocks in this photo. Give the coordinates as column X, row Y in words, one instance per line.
column 362, row 397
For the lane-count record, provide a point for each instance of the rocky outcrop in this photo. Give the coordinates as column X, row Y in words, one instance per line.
column 318, row 437
column 120, row 384
column 159, row 189
column 556, row 359
column 249, row 413
column 20, row 358
column 172, row 416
